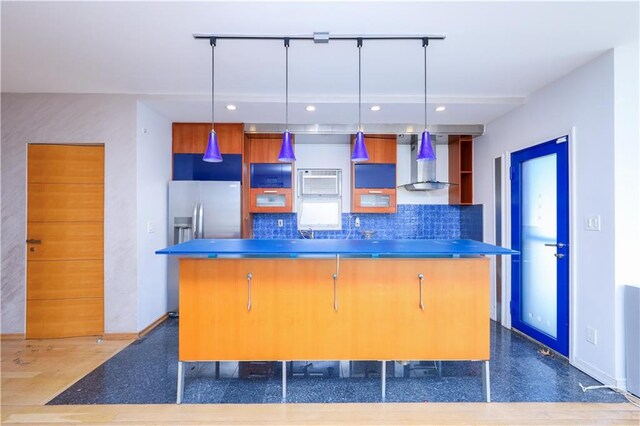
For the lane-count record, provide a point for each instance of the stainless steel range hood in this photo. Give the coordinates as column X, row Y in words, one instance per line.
column 423, row 173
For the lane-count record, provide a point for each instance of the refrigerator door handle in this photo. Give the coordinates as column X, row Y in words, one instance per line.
column 194, row 222
column 201, row 221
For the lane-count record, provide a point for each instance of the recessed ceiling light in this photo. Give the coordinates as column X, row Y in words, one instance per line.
column 310, row 108
column 440, row 108
column 375, row 108
column 232, row 107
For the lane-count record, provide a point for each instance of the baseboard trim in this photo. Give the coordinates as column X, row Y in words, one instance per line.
column 120, row 336
column 153, row 325
column 12, row 336
column 598, row 374
column 134, row 336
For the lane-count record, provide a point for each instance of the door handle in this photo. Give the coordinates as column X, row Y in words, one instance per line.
column 335, row 292
column 558, row 255
column 420, row 278
column 32, row 241
column 201, row 221
column 559, row 245
column 249, row 276
column 194, row 222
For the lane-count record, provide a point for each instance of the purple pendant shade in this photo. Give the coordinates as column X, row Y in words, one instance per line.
column 426, row 152
column 359, row 150
column 212, row 154
column 286, row 150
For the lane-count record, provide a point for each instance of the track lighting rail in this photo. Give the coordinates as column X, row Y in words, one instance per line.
column 317, row 37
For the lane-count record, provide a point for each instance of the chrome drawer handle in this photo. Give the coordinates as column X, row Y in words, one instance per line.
column 420, row 278
column 270, row 191
column 249, row 276
column 375, row 192
column 335, row 292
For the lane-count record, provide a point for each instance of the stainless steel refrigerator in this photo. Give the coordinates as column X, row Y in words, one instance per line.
column 200, row 209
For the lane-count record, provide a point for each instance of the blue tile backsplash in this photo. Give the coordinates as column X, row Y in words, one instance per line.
column 412, row 221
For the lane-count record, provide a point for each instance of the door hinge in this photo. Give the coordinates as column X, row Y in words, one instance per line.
column 561, row 140
column 511, row 173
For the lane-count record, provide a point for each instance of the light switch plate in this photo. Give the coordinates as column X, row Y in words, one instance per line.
column 592, row 223
column 280, row 223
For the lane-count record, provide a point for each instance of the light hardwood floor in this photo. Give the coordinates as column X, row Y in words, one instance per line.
column 35, row 371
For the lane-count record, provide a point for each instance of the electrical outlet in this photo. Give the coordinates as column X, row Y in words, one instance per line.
column 151, row 227
column 592, row 335
column 592, row 223
column 280, row 223
column 356, row 223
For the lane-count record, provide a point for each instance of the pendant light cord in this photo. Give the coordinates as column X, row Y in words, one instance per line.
column 359, row 84
column 286, row 50
column 425, row 43
column 213, row 49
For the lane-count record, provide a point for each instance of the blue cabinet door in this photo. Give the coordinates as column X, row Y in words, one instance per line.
column 191, row 167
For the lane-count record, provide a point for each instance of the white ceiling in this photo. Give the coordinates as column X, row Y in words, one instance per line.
column 494, row 56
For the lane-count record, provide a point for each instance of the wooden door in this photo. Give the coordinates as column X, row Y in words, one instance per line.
column 65, row 241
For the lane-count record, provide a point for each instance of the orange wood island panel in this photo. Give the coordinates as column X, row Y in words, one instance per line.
column 293, row 313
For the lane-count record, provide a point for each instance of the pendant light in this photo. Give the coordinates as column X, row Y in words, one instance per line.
column 286, row 150
column 212, row 154
column 359, row 148
column 426, row 152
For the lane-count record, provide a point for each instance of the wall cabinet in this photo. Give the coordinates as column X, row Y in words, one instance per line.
column 192, row 138
column 190, row 142
column 461, row 169
column 270, row 188
column 373, row 183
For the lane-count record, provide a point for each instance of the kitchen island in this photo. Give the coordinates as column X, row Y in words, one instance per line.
column 312, row 300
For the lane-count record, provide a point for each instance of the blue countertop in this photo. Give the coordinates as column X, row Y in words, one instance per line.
column 350, row 248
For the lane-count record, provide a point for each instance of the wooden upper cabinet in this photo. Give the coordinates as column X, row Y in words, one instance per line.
column 381, row 148
column 461, row 169
column 192, row 138
column 265, row 148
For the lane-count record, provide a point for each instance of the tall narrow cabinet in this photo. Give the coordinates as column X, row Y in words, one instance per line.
column 461, row 169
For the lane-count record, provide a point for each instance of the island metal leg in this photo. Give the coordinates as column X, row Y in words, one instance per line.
column 383, row 380
column 486, row 382
column 284, row 381
column 180, row 382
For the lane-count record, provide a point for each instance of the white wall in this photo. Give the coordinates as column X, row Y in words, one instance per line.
column 50, row 118
column 584, row 99
column 627, row 184
column 153, row 173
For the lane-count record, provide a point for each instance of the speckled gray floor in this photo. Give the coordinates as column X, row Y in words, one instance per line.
column 145, row 373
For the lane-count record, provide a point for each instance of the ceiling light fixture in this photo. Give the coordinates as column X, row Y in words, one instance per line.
column 375, row 108
column 231, row 107
column 286, row 149
column 426, row 152
column 212, row 153
column 359, row 147
column 440, row 108
column 310, row 108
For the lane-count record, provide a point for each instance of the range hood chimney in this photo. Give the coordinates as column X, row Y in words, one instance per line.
column 423, row 173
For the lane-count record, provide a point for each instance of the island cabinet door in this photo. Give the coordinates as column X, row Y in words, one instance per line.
column 256, row 309
column 387, row 318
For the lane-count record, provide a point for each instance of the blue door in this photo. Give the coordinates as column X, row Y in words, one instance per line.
column 540, row 232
